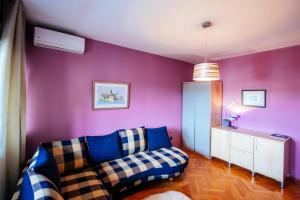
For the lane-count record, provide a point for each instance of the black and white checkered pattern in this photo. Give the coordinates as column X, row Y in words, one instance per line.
column 31, row 162
column 20, row 181
column 16, row 195
column 69, row 154
column 42, row 187
column 148, row 179
column 83, row 185
column 113, row 172
column 133, row 140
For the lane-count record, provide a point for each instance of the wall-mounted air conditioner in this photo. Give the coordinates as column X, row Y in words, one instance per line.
column 57, row 40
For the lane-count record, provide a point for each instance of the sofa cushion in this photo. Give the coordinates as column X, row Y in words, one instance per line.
column 104, row 148
column 145, row 177
column 133, row 140
column 25, row 189
column 69, row 154
column 44, row 163
column 42, row 187
column 115, row 172
column 19, row 193
column 158, row 138
column 83, row 184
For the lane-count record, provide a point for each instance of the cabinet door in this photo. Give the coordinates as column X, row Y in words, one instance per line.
column 188, row 116
column 268, row 158
column 242, row 141
column 241, row 158
column 220, row 144
column 203, row 118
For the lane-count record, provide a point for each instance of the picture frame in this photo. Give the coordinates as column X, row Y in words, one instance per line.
column 110, row 95
column 254, row 98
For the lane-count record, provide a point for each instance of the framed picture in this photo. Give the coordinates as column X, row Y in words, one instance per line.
column 110, row 95
column 254, row 98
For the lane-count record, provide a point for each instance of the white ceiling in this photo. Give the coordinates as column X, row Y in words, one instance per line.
column 172, row 28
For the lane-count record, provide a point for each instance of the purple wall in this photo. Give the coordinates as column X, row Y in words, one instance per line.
column 59, row 92
column 277, row 71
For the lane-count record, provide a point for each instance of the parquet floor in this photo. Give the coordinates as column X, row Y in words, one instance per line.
column 212, row 179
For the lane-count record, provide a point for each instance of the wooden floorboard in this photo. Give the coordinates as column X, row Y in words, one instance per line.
column 213, row 179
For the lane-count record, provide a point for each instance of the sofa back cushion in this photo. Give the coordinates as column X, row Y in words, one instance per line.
column 26, row 191
column 44, row 163
column 68, row 154
column 158, row 138
column 42, row 187
column 133, row 140
column 104, row 148
column 33, row 185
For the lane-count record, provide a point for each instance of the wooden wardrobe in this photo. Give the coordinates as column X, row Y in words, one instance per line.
column 201, row 109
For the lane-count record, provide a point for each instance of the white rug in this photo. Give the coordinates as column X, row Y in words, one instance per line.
column 169, row 195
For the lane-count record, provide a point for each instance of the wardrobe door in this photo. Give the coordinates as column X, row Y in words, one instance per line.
column 188, row 116
column 203, row 118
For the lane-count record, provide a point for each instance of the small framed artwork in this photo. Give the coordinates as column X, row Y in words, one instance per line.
column 110, row 95
column 254, row 98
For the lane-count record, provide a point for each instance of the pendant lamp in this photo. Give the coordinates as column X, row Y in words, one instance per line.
column 206, row 71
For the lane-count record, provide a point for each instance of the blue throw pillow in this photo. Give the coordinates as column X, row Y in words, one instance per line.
column 45, row 164
column 26, row 191
column 158, row 138
column 104, row 148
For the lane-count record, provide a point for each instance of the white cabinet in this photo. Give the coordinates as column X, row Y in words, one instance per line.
column 253, row 150
column 241, row 158
column 270, row 158
column 242, row 141
column 220, row 144
column 241, row 150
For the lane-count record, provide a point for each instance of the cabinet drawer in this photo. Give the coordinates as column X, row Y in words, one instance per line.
column 242, row 142
column 241, row 158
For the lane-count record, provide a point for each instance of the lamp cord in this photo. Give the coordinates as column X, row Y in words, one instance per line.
column 205, row 45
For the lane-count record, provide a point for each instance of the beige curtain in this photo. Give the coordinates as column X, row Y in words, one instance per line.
column 12, row 100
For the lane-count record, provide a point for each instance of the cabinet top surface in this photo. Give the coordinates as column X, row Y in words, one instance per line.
column 250, row 132
column 199, row 82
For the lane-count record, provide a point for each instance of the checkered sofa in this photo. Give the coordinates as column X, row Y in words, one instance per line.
column 80, row 179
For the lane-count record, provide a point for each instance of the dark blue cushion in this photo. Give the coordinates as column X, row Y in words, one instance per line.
column 26, row 191
column 158, row 138
column 46, row 165
column 104, row 148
